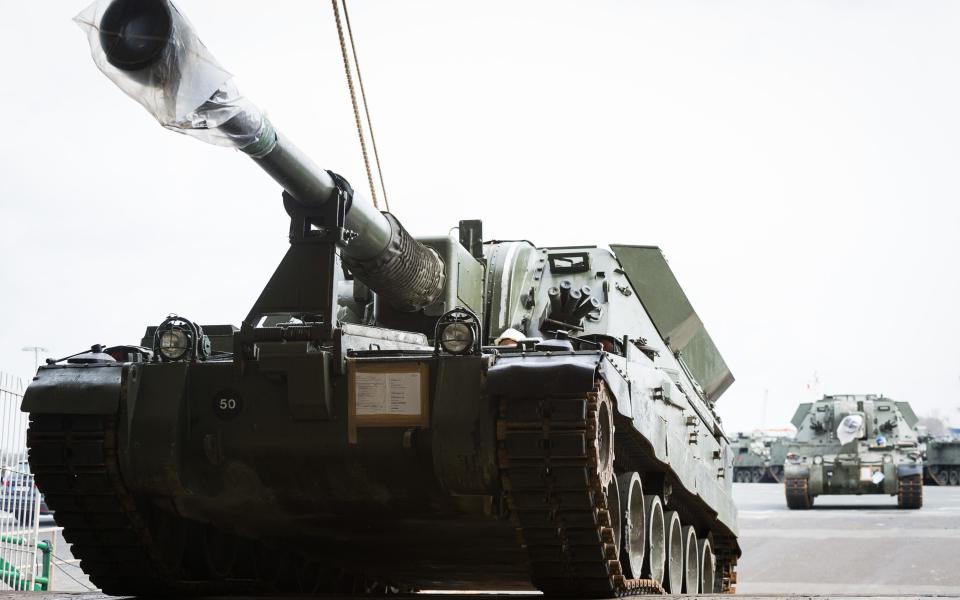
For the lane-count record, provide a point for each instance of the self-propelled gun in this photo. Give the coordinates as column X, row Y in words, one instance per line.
column 360, row 431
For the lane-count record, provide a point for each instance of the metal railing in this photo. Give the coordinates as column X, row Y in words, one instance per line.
column 24, row 558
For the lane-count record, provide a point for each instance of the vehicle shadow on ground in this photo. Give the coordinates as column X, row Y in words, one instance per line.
column 829, row 507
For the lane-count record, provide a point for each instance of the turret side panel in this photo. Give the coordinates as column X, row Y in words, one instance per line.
column 907, row 413
column 671, row 312
column 800, row 413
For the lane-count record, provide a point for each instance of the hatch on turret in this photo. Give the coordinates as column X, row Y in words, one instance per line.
column 908, row 415
column 800, row 414
column 674, row 317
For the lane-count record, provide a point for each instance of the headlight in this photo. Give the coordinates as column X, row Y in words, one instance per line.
column 179, row 339
column 174, row 343
column 456, row 338
column 817, row 460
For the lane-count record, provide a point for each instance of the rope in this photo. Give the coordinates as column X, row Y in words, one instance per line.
column 353, row 100
column 366, row 107
column 59, row 562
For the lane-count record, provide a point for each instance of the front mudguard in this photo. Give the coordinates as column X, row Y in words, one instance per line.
column 796, row 471
column 525, row 375
column 112, row 389
column 75, row 390
column 910, row 469
column 812, row 473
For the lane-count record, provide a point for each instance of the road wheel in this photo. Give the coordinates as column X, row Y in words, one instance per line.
column 707, row 563
column 673, row 580
column 655, row 559
column 691, row 564
column 756, row 475
column 954, row 477
column 219, row 551
column 634, row 536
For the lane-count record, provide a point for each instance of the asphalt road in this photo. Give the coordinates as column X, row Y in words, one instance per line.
column 857, row 545
column 848, row 544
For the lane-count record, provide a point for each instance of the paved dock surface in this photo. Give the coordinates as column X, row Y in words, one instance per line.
column 859, row 545
column 847, row 546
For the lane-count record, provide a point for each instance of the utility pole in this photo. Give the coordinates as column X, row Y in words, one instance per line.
column 36, row 355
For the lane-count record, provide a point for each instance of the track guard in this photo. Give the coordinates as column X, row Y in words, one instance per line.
column 75, row 390
column 525, row 375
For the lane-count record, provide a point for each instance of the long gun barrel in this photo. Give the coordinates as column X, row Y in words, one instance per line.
column 151, row 52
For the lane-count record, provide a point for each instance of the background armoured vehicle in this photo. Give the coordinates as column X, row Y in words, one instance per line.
column 357, row 432
column 758, row 458
column 941, row 461
column 850, row 444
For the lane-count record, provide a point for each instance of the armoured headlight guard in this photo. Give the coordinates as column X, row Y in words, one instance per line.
column 457, row 332
column 179, row 339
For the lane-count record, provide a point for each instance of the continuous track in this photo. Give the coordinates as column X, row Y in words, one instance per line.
column 556, row 464
column 910, row 492
column 128, row 548
column 74, row 460
column 798, row 494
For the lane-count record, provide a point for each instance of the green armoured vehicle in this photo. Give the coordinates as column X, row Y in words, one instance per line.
column 758, row 458
column 360, row 431
column 941, row 462
column 854, row 444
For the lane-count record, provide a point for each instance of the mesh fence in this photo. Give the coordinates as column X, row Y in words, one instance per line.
column 20, row 501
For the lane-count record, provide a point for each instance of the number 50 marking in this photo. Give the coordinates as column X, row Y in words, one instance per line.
column 227, row 404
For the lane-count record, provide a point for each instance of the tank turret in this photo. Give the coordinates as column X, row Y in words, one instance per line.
column 151, row 52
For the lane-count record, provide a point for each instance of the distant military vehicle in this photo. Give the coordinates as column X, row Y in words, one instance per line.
column 942, row 461
column 854, row 444
column 758, row 458
column 368, row 427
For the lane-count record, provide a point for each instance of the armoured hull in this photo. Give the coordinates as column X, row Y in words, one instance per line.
column 758, row 459
column 942, row 461
column 144, row 459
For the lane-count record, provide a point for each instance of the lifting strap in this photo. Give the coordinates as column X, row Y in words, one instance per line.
column 353, row 99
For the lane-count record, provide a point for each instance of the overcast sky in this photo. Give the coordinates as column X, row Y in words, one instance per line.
column 796, row 161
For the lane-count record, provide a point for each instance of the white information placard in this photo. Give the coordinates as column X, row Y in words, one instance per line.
column 387, row 394
column 371, row 393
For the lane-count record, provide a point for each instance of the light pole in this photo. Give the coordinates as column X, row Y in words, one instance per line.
column 36, row 355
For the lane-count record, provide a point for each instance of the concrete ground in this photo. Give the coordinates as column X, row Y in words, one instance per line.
column 846, row 545
column 858, row 545
column 65, row 571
